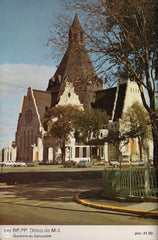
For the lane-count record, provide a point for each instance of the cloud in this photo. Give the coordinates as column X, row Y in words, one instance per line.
column 26, row 75
column 8, row 128
column 14, row 81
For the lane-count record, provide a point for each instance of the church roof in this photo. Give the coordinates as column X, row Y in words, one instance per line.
column 76, row 23
column 105, row 99
column 75, row 64
column 79, row 59
column 120, row 101
column 43, row 101
column 76, row 61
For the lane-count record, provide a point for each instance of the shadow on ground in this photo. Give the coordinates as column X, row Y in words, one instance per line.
column 60, row 191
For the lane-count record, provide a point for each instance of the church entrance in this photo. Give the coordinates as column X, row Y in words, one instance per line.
column 36, row 156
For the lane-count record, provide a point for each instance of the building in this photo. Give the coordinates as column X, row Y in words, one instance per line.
column 121, row 97
column 30, row 132
column 75, row 81
column 8, row 154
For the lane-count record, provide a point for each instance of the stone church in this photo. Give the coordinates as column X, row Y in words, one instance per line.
column 74, row 82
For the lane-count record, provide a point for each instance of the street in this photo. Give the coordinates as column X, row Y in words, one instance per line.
column 50, row 168
column 53, row 203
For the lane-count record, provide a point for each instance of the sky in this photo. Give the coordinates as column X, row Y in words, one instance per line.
column 24, row 57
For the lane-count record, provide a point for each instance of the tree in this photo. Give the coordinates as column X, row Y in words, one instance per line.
column 62, row 122
column 58, row 121
column 89, row 124
column 115, row 138
column 135, row 123
column 123, row 36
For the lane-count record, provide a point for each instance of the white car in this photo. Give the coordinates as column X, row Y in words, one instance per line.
column 114, row 163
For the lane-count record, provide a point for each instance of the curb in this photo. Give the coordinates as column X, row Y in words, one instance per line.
column 144, row 213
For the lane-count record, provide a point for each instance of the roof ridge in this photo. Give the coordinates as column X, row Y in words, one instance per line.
column 41, row 91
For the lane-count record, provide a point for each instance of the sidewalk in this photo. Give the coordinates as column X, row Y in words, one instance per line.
column 92, row 199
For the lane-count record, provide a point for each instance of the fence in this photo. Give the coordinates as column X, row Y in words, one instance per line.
column 132, row 181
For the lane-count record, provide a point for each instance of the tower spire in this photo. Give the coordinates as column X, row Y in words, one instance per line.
column 76, row 34
column 77, row 69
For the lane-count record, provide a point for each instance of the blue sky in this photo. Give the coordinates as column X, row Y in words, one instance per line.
column 25, row 26
column 24, row 58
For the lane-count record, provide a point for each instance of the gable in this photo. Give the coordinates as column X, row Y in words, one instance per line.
column 33, row 107
column 69, row 97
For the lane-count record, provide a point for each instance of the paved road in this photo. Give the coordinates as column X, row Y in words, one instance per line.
column 50, row 168
column 53, row 203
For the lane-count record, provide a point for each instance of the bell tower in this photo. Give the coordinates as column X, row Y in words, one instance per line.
column 76, row 35
column 77, row 69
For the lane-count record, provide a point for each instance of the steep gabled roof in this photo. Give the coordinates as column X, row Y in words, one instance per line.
column 43, row 101
column 75, row 62
column 120, row 102
column 75, row 66
column 105, row 100
column 109, row 100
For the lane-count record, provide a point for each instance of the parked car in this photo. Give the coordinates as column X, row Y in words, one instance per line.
column 114, row 163
column 19, row 164
column 137, row 163
column 84, row 163
column 32, row 164
column 45, row 163
column 70, row 163
column 99, row 163
column 125, row 163
column 7, row 164
column 13, row 164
